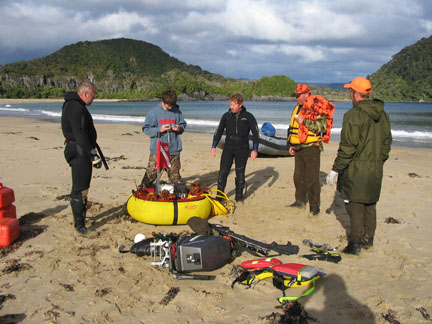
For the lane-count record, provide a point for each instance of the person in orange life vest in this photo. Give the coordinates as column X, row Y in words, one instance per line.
column 167, row 121
column 306, row 154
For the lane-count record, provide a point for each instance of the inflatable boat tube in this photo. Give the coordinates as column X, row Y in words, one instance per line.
column 172, row 212
column 275, row 146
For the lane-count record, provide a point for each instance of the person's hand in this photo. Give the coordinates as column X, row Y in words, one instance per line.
column 213, row 151
column 291, row 151
column 254, row 155
column 96, row 161
column 331, row 177
column 175, row 128
column 164, row 128
column 299, row 119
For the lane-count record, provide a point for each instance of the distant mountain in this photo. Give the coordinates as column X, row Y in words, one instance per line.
column 408, row 75
column 128, row 69
column 113, row 58
column 334, row 86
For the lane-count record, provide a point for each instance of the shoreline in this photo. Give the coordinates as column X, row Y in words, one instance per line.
column 197, row 130
column 30, row 100
column 291, row 99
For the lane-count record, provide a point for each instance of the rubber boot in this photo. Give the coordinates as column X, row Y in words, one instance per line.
column 240, row 184
column 314, row 210
column 298, row 204
column 221, row 184
column 79, row 209
column 84, row 209
column 352, row 248
column 367, row 242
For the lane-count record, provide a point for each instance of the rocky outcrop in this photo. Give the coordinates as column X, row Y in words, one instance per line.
column 32, row 82
column 271, row 98
column 112, row 85
column 200, row 96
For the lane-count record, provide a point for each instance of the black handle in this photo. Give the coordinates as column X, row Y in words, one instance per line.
column 102, row 156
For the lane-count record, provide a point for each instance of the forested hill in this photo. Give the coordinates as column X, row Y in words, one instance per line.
column 128, row 69
column 408, row 75
column 107, row 58
column 131, row 69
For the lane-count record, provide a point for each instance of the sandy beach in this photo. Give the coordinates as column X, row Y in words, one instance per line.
column 52, row 274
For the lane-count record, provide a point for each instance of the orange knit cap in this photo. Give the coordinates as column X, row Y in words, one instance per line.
column 360, row 84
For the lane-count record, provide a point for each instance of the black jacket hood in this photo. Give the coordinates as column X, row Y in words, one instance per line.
column 73, row 96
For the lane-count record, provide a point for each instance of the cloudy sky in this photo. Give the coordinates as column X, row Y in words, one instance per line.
column 307, row 40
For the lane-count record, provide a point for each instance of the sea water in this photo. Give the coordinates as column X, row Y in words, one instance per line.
column 411, row 123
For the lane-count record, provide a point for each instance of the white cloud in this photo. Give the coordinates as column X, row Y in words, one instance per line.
column 427, row 24
column 255, row 20
column 118, row 24
column 26, row 26
column 304, row 54
column 200, row 4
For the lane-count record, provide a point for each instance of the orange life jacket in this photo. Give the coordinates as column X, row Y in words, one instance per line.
column 294, row 131
column 314, row 106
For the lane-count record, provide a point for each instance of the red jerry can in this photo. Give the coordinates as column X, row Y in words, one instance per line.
column 9, row 224
column 7, row 197
column 9, row 212
column 9, row 230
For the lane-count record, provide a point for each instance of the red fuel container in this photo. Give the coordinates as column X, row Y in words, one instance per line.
column 9, row 212
column 7, row 196
column 9, row 231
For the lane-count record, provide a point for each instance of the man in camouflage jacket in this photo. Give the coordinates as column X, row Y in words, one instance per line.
column 306, row 154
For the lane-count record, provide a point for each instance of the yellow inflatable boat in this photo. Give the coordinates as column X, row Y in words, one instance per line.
column 171, row 212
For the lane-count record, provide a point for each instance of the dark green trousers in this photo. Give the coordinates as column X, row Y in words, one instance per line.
column 363, row 220
column 306, row 175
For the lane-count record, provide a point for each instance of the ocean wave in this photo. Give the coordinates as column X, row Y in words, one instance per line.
column 119, row 118
column 201, row 122
column 411, row 135
column 47, row 113
column 13, row 109
column 196, row 123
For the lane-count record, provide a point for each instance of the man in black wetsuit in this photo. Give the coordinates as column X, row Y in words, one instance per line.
column 237, row 123
column 80, row 140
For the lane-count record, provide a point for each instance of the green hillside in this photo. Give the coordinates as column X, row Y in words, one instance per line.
column 408, row 75
column 107, row 58
column 127, row 69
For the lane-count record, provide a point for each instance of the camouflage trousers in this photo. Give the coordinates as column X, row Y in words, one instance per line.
column 151, row 171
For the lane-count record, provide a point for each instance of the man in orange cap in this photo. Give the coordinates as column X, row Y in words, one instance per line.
column 306, row 153
column 364, row 147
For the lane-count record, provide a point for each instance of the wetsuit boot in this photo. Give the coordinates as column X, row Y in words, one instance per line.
column 222, row 179
column 79, row 209
column 240, row 184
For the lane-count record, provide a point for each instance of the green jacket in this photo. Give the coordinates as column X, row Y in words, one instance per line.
column 363, row 149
